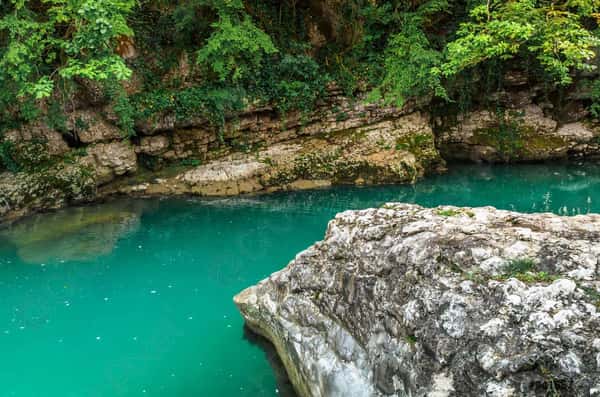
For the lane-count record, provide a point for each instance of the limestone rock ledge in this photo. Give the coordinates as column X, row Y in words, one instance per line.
column 408, row 301
column 341, row 142
column 524, row 134
column 399, row 150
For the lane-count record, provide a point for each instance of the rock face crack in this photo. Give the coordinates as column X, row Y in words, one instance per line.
column 408, row 301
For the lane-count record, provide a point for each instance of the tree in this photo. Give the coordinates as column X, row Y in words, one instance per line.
column 552, row 32
column 237, row 47
column 42, row 41
column 411, row 62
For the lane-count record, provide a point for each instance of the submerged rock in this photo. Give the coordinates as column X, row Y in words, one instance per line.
column 74, row 234
column 407, row 301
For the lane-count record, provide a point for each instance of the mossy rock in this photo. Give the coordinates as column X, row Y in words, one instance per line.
column 522, row 143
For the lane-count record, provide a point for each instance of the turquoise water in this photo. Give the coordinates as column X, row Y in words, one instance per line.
column 133, row 297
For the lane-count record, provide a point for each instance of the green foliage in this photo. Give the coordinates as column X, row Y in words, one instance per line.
column 593, row 294
column 191, row 162
column 123, row 108
column 30, row 156
column 45, row 43
column 595, row 97
column 553, row 32
column 281, row 53
column 236, row 48
column 362, row 64
column 521, row 265
column 7, row 157
column 412, row 65
column 215, row 104
column 410, row 339
column 55, row 118
column 73, row 38
column 450, row 212
column 524, row 269
column 294, row 82
column 508, row 135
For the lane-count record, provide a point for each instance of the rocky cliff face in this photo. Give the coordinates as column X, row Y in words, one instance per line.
column 407, row 301
column 341, row 142
column 521, row 121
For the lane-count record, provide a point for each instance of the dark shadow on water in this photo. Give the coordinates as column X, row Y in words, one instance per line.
column 281, row 378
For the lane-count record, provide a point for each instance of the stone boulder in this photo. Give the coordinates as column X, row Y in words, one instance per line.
column 524, row 134
column 153, row 145
column 408, row 301
column 63, row 183
column 90, row 127
column 109, row 160
column 38, row 134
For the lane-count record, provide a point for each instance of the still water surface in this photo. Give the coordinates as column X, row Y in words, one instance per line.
column 133, row 297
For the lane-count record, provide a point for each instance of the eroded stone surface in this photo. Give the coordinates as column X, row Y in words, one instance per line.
column 407, row 301
column 392, row 151
column 90, row 127
column 109, row 160
column 51, row 188
column 523, row 134
column 37, row 133
column 153, row 145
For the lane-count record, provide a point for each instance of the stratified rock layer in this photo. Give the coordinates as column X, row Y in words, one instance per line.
column 400, row 150
column 407, row 301
column 523, row 134
column 341, row 142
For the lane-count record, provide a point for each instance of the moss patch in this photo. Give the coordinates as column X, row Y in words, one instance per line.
column 422, row 146
column 525, row 270
column 593, row 294
column 454, row 212
column 516, row 141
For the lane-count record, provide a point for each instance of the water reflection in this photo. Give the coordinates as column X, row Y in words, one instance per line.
column 81, row 234
column 284, row 385
column 74, row 234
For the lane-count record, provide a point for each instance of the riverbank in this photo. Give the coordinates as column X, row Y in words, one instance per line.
column 342, row 142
